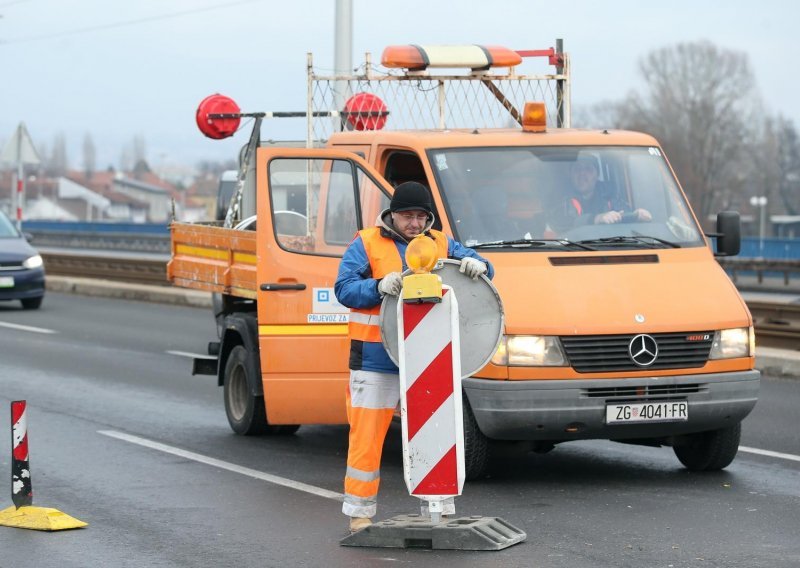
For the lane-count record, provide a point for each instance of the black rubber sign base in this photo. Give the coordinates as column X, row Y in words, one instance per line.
column 416, row 531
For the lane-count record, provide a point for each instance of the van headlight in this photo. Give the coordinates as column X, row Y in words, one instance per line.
column 529, row 351
column 732, row 343
column 33, row 262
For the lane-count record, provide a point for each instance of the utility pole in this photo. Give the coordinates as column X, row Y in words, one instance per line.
column 342, row 55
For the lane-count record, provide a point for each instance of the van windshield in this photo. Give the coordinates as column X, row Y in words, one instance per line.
column 591, row 197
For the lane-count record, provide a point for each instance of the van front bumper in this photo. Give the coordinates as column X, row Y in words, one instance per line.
column 560, row 410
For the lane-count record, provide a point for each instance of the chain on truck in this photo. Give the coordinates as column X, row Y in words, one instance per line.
column 619, row 324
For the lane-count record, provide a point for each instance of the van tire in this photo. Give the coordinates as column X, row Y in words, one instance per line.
column 709, row 451
column 246, row 413
column 476, row 445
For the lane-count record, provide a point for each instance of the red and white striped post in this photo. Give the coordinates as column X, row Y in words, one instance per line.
column 20, row 193
column 430, row 403
column 21, row 487
column 23, row 514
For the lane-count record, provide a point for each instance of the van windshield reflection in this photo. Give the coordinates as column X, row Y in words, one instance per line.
column 573, row 198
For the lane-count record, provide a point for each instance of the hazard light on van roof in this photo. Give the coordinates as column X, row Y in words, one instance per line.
column 534, row 117
column 420, row 57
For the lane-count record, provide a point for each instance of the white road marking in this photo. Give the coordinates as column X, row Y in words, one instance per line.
column 190, row 355
column 26, row 328
column 277, row 480
column 769, row 453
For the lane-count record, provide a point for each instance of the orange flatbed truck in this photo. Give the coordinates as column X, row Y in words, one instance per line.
column 627, row 331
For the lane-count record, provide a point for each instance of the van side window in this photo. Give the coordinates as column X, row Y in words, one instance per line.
column 371, row 198
column 332, row 207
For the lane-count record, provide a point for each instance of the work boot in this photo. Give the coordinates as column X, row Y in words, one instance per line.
column 358, row 523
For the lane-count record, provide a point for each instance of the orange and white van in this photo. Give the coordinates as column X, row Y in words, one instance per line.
column 624, row 331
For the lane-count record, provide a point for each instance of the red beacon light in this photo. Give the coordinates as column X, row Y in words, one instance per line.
column 475, row 57
column 365, row 111
column 218, row 116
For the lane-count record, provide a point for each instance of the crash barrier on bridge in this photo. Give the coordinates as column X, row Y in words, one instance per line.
column 23, row 514
column 425, row 335
column 761, row 267
column 134, row 237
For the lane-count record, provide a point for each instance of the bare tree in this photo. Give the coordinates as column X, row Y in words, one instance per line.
column 126, row 159
column 89, row 156
column 787, row 148
column 700, row 104
column 139, row 149
column 57, row 162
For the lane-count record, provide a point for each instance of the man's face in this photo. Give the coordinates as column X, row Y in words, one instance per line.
column 410, row 223
column 584, row 177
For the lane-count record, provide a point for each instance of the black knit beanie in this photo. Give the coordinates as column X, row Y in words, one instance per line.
column 410, row 196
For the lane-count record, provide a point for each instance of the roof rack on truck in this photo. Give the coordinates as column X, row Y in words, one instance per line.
column 406, row 92
column 410, row 91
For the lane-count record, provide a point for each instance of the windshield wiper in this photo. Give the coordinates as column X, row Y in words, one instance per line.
column 520, row 243
column 641, row 239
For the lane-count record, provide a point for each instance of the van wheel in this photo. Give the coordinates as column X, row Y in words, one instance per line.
column 476, row 445
column 246, row 412
column 709, row 451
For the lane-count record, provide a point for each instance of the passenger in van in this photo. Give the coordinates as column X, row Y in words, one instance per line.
column 591, row 202
column 370, row 269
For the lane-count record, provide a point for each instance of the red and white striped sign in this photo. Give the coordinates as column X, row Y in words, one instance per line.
column 21, row 487
column 430, row 403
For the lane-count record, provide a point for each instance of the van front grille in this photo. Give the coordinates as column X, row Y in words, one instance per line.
column 604, row 353
column 642, row 392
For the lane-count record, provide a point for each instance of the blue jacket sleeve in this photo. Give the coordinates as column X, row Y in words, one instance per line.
column 457, row 251
column 355, row 287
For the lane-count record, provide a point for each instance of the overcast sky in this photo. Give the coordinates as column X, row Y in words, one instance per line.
column 119, row 69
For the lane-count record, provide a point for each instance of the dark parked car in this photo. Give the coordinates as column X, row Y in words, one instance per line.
column 21, row 269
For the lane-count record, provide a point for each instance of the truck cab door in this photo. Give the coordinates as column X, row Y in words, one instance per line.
column 310, row 205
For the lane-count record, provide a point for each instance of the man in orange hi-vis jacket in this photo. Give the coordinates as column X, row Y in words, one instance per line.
column 371, row 268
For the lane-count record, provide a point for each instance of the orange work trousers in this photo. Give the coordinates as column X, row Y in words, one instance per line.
column 371, row 400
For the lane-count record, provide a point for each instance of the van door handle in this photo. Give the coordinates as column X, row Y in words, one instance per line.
column 277, row 286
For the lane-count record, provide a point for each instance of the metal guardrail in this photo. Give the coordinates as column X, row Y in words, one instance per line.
column 105, row 241
column 777, row 324
column 760, row 266
column 132, row 270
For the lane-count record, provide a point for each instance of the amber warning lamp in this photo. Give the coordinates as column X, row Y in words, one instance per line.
column 422, row 286
column 534, row 117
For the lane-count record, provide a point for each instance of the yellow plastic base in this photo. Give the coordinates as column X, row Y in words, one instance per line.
column 422, row 288
column 38, row 519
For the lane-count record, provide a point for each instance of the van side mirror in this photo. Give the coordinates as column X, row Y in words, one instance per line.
column 28, row 236
column 729, row 238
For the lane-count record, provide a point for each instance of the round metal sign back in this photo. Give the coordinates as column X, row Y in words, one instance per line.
column 480, row 317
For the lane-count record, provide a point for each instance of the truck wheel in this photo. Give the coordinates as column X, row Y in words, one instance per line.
column 476, row 445
column 246, row 412
column 709, row 451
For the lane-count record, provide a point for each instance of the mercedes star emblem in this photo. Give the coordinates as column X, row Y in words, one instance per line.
column 643, row 350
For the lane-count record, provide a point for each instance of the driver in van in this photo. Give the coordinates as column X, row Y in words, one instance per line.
column 593, row 203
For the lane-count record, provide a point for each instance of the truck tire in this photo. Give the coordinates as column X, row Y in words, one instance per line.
column 246, row 412
column 476, row 445
column 709, row 451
